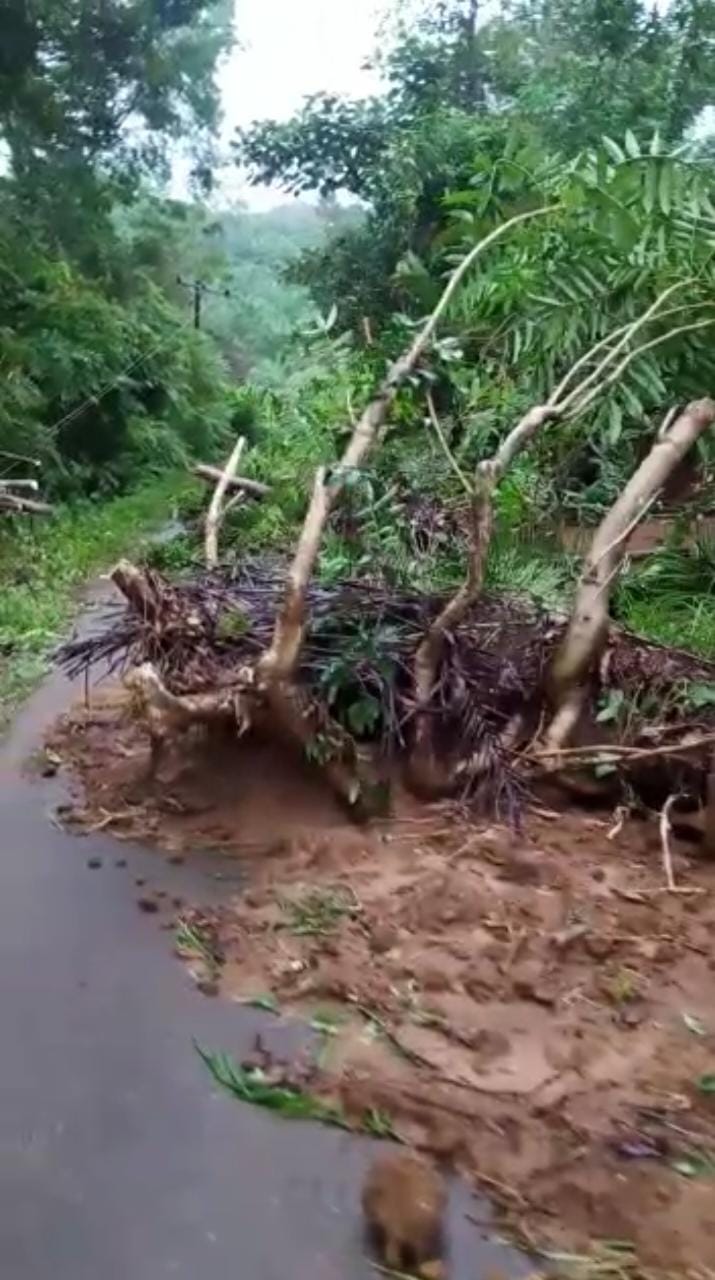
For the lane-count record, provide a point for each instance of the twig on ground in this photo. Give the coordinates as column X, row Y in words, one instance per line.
column 620, row 816
column 665, row 830
column 593, row 753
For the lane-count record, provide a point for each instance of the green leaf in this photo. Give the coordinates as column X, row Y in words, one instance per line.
column 364, row 715
column 700, row 695
column 616, row 153
column 632, row 145
column 612, row 705
column 625, row 229
column 706, row 1084
column 665, row 189
column 615, row 428
column 267, row 1002
column 650, row 186
column 694, row 1165
column 251, row 1086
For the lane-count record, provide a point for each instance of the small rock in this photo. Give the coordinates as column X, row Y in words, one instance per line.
column 631, row 1015
column 482, row 979
column 177, row 902
column 94, row 863
column 599, row 946
column 383, row 937
column 526, row 977
column 120, row 862
column 49, row 769
column 524, row 868
column 207, row 986
column 139, row 882
column 254, row 897
column 528, row 983
column 149, row 905
column 176, row 859
column 431, row 978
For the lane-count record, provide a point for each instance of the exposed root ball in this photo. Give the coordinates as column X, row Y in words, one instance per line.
column 404, row 1200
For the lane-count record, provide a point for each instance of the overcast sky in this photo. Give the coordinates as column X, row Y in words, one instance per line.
column 290, row 48
column 287, row 49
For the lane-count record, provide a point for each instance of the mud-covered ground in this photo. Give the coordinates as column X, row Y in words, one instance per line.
column 535, row 1008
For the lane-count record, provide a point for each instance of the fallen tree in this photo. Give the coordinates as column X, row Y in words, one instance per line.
column 462, row 711
column 190, row 650
column 14, row 497
column 587, row 633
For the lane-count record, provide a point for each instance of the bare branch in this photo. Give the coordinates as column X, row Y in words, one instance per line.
column 215, row 513
column 437, row 428
column 620, row 368
column 281, row 659
column 665, row 830
column 520, row 435
column 588, row 628
column 430, row 650
column 236, row 484
column 610, row 355
column 16, row 505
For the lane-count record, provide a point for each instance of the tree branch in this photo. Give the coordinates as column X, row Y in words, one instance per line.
column 588, row 628
column 215, row 513
column 236, row 484
column 281, row 658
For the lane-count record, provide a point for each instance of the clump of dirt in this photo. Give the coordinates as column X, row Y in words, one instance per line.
column 534, row 1008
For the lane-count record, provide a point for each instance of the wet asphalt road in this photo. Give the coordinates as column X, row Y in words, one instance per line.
column 119, row 1160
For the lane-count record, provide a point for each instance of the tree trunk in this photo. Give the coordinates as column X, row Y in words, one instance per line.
column 425, row 772
column 588, row 629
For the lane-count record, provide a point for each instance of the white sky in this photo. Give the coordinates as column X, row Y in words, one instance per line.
column 287, row 49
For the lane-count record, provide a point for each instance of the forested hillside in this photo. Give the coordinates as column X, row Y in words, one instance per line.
column 426, row 643
column 596, row 115
column 581, row 128
column 105, row 383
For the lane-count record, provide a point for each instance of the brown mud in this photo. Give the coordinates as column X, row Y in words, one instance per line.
column 535, row 1008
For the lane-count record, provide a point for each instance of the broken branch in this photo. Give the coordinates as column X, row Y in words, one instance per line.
column 588, row 628
column 665, row 830
column 216, row 512
column 236, row 484
column 282, row 657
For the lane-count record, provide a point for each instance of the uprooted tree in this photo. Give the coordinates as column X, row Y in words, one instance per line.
column 468, row 712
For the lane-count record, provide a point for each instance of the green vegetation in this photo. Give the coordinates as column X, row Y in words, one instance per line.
column 106, row 383
column 41, row 570
column 477, row 125
column 287, row 1098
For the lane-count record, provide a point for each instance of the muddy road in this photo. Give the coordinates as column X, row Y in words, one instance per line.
column 118, row 1157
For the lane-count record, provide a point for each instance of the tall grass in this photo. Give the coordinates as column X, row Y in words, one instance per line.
column 671, row 596
column 42, row 564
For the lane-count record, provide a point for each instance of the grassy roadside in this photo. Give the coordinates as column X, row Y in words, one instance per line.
column 41, row 568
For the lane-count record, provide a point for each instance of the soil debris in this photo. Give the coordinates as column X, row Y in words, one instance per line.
column 404, row 1200
column 532, row 1007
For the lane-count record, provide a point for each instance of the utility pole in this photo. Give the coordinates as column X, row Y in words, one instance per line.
column 198, row 289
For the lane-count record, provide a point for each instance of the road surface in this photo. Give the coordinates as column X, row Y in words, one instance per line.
column 119, row 1159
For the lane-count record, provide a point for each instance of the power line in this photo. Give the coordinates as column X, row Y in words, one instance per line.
column 111, row 385
column 199, row 288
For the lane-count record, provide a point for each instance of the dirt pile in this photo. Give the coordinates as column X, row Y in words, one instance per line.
column 535, row 1008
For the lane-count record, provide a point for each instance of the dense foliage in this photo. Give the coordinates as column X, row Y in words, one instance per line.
column 482, row 117
column 103, row 377
column 481, row 121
